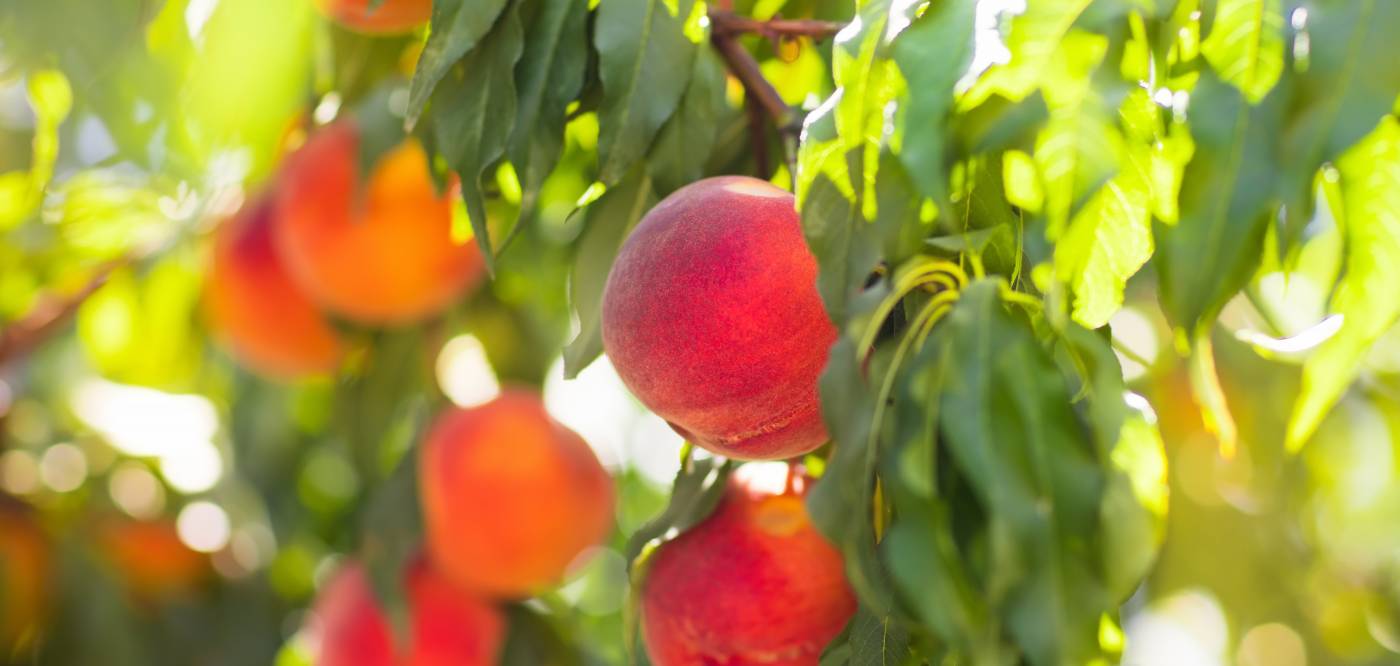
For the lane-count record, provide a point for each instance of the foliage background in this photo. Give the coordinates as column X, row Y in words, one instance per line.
column 1211, row 185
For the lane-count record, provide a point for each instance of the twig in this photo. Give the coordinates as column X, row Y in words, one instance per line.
column 758, row 137
column 732, row 23
column 757, row 88
column 51, row 314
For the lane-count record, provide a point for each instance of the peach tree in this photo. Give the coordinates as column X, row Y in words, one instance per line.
column 978, row 188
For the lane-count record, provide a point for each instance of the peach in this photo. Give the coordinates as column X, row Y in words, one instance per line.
column 712, row 318
column 254, row 307
column 510, row 497
column 754, row 583
column 448, row 627
column 151, row 558
column 25, row 577
column 391, row 16
column 380, row 253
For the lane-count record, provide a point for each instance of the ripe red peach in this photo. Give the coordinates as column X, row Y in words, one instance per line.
column 380, row 252
column 754, row 584
column 255, row 308
column 448, row 627
column 711, row 317
column 391, row 16
column 25, row 577
column 510, row 497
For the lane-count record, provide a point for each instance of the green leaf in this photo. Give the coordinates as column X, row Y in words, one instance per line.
column 1245, row 45
column 1225, row 206
column 644, row 61
column 457, row 26
column 473, row 114
column 841, row 504
column 606, row 224
column 932, row 54
column 1108, row 240
column 877, row 640
column 1364, row 297
column 1010, row 431
column 1345, row 83
column 683, row 146
column 391, row 535
column 548, row 76
column 1035, row 35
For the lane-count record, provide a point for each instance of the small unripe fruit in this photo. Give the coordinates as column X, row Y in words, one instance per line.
column 753, row 584
column 25, row 577
column 510, row 497
column 712, row 318
column 151, row 559
column 380, row 253
column 255, row 308
column 390, row 16
column 449, row 627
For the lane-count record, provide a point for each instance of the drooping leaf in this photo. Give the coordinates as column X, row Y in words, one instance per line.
column 547, row 77
column 1225, row 204
column 1245, row 45
column 684, row 143
column 645, row 62
column 1370, row 218
column 1108, row 240
column 1011, row 433
column 607, row 222
column 932, row 54
column 473, row 113
column 456, row 27
column 391, row 535
column 1345, row 82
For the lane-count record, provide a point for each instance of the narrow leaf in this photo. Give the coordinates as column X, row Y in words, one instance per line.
column 1370, row 189
column 644, row 61
column 1225, row 205
column 472, row 116
column 607, row 222
column 1245, row 45
column 456, row 27
column 547, row 77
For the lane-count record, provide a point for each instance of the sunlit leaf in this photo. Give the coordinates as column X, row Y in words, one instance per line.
column 1245, row 45
column 932, row 54
column 1370, row 188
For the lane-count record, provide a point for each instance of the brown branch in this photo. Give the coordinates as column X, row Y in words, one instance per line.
column 756, row 88
column 51, row 314
column 774, row 29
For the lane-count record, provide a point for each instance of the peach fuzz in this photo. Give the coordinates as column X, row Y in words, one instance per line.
column 711, row 317
column 25, row 577
column 448, row 627
column 753, row 584
column 391, row 16
column 254, row 307
column 510, row 498
column 381, row 252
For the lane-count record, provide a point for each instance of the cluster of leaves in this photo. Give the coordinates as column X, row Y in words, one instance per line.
column 1113, row 135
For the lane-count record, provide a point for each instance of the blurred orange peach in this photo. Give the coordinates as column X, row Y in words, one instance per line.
column 254, row 307
column 390, row 16
column 510, row 497
column 379, row 253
